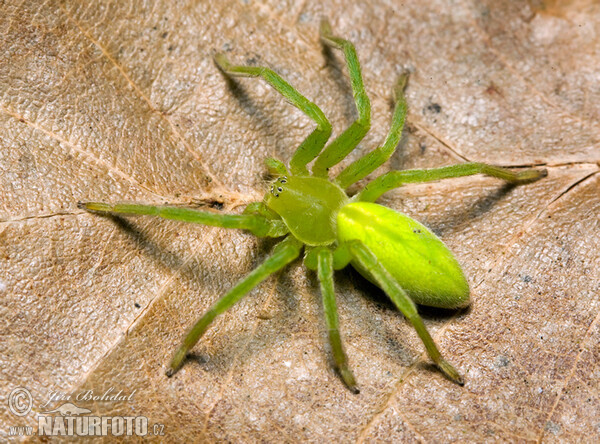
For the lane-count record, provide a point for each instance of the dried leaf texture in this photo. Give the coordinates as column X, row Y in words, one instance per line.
column 118, row 101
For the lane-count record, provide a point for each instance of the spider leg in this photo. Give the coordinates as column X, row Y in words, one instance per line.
column 395, row 179
column 260, row 209
column 312, row 145
column 371, row 161
column 276, row 167
column 255, row 223
column 325, row 273
column 365, row 257
column 347, row 141
column 284, row 253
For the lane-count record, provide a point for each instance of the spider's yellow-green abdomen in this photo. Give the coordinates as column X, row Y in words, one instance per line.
column 418, row 260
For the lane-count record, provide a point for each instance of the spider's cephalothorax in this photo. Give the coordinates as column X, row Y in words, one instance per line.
column 390, row 249
column 316, row 199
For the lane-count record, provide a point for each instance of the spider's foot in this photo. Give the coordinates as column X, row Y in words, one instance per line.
column 94, row 206
column 451, row 372
column 325, row 29
column 348, row 379
column 222, row 62
column 531, row 175
column 400, row 85
column 177, row 361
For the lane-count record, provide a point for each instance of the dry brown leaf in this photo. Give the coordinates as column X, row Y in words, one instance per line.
column 117, row 101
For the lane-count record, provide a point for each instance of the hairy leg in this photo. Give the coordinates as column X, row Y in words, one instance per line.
column 312, row 145
column 284, row 253
column 363, row 255
column 395, row 179
column 325, row 273
column 255, row 223
column 347, row 141
column 370, row 162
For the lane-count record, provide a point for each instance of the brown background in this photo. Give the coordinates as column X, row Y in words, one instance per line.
column 118, row 101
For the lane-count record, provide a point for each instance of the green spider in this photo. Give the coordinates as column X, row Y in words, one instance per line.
column 393, row 251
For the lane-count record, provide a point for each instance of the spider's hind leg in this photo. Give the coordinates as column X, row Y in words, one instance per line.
column 365, row 257
column 347, row 141
column 313, row 144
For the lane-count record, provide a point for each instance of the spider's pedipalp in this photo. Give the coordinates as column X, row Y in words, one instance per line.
column 276, row 167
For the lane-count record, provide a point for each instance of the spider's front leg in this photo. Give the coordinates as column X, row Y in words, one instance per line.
column 368, row 261
column 395, row 179
column 254, row 222
column 313, row 144
column 347, row 141
column 364, row 166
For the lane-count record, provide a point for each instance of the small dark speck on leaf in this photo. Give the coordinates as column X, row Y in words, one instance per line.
column 492, row 89
column 526, row 278
column 434, row 107
column 164, row 35
column 137, row 305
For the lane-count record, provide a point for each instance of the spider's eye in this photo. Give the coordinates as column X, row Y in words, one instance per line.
column 276, row 188
column 275, row 191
